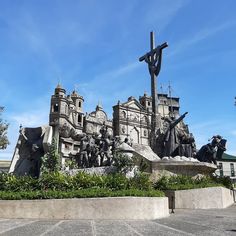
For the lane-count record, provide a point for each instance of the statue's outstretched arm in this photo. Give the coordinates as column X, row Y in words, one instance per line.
column 174, row 123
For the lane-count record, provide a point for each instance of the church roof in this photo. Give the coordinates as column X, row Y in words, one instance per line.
column 132, row 103
column 74, row 94
column 58, row 86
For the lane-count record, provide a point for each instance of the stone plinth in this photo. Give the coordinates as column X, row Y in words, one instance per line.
column 202, row 198
column 168, row 168
column 115, row 208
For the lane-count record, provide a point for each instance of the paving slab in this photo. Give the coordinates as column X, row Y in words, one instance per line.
column 215, row 222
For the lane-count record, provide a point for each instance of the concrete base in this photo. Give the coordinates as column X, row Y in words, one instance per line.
column 202, row 198
column 168, row 168
column 122, row 208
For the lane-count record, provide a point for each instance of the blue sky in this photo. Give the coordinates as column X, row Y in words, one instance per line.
column 95, row 46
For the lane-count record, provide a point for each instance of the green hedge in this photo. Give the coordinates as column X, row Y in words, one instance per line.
column 58, row 185
column 82, row 193
column 182, row 182
column 61, row 182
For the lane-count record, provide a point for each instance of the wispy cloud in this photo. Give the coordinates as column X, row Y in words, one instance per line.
column 32, row 118
column 122, row 70
column 163, row 12
column 28, row 38
column 200, row 36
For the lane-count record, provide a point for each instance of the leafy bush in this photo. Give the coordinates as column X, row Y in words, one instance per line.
column 84, row 180
column 9, row 182
column 83, row 193
column 71, row 164
column 141, row 181
column 55, row 181
column 58, row 181
column 3, row 131
column 51, row 160
column 123, row 163
column 182, row 182
column 224, row 180
column 117, row 182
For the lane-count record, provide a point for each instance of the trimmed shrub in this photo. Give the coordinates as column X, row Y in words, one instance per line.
column 182, row 182
column 55, row 181
column 117, row 182
column 141, row 181
column 9, row 182
column 83, row 193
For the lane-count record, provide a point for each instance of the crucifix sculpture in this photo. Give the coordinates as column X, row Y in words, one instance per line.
column 153, row 59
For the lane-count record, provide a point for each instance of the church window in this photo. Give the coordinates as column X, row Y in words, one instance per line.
column 123, row 114
column 149, row 103
column 79, row 118
column 56, row 108
column 79, row 103
column 144, row 119
column 145, row 132
column 66, row 109
column 232, row 169
column 221, row 169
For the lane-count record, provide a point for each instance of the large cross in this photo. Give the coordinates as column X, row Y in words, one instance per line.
column 153, row 59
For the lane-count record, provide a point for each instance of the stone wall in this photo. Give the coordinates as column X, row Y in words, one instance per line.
column 126, row 208
column 203, row 198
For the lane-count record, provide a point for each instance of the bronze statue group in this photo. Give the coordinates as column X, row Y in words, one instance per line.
column 174, row 139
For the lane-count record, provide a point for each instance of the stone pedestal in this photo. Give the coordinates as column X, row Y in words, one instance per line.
column 168, row 168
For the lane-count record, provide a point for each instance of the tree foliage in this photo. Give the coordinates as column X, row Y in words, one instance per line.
column 123, row 163
column 3, row 131
column 51, row 161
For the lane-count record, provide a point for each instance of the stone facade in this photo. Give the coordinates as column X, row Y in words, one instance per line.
column 131, row 120
column 91, row 138
column 94, row 121
column 66, row 109
column 69, row 121
column 166, row 104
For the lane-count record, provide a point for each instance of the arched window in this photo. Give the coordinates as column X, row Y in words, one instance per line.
column 80, row 104
column 123, row 114
column 55, row 107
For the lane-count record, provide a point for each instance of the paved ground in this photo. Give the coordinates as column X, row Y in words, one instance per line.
column 183, row 222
